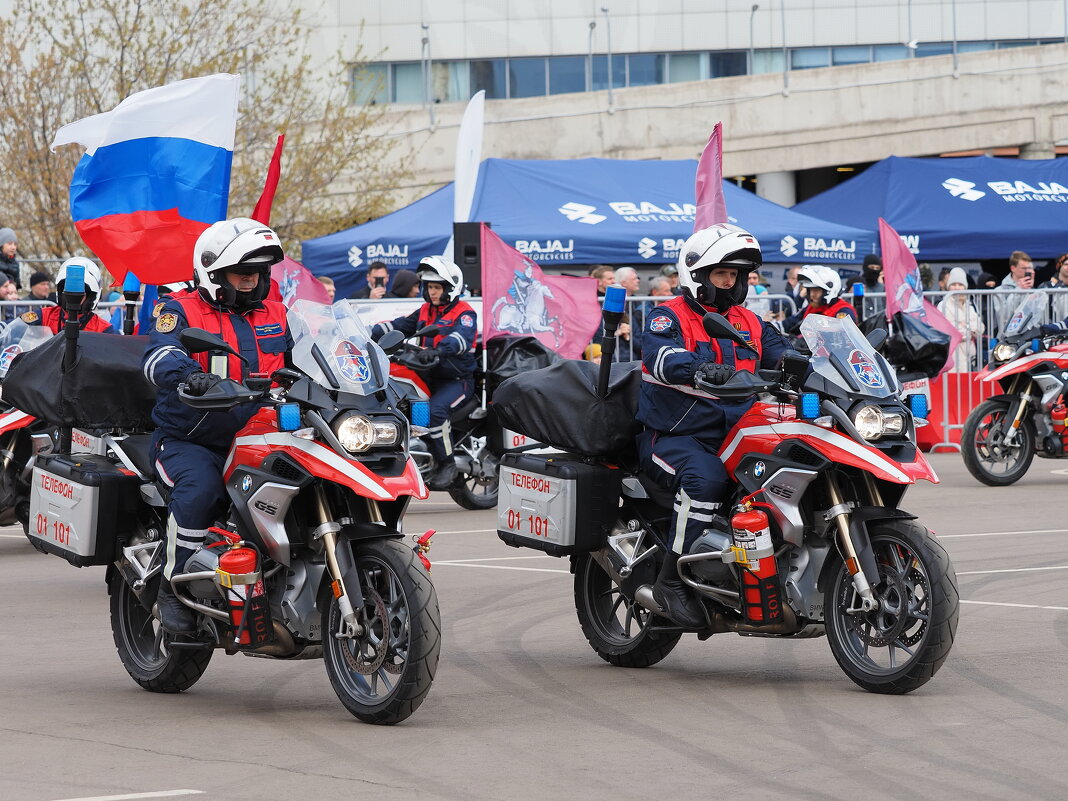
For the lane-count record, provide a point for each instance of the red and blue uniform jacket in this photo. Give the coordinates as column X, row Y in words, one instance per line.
column 674, row 345
column 458, row 324
column 260, row 334
column 55, row 317
column 839, row 308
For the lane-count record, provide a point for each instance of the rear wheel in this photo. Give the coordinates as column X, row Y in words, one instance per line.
column 990, row 454
column 902, row 644
column 618, row 628
column 478, row 489
column 143, row 648
column 384, row 673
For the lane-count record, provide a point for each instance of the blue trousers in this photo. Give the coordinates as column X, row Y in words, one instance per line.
column 447, row 396
column 194, row 475
column 691, row 469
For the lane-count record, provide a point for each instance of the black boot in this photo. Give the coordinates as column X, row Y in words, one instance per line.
column 675, row 598
column 174, row 616
column 444, row 474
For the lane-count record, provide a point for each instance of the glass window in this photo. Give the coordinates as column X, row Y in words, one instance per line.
column 723, row 65
column 449, row 81
column 1016, row 43
column 767, row 61
column 526, row 77
column 806, row 58
column 889, row 52
column 370, row 84
column 850, row 55
column 408, row 83
column 687, row 67
column 489, row 75
column 567, row 74
column 974, row 47
column 924, row 49
column 600, row 71
column 645, row 69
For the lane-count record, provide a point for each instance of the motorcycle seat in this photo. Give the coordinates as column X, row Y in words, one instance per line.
column 138, row 448
column 656, row 493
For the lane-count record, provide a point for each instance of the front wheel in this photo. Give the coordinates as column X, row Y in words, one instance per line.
column 618, row 628
column 993, row 453
column 383, row 673
column 142, row 646
column 902, row 644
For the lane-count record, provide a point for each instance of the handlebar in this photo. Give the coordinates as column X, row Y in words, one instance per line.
column 226, row 394
column 744, row 384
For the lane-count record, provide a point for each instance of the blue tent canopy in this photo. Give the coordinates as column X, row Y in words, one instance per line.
column 584, row 211
column 958, row 208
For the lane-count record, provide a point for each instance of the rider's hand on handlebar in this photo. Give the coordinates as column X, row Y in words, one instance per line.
column 426, row 357
column 713, row 373
column 200, row 383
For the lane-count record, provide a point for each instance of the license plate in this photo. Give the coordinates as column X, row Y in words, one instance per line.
column 536, row 507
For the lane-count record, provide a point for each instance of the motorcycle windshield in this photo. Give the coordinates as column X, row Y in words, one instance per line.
column 1031, row 311
column 18, row 337
column 333, row 347
column 843, row 356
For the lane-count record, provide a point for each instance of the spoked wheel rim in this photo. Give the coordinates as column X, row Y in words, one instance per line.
column 373, row 661
column 619, row 620
column 995, row 454
column 885, row 641
column 483, row 482
column 142, row 633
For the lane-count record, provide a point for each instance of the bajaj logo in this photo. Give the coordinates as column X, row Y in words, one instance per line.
column 787, row 245
column 646, row 247
column 965, row 190
column 355, row 255
column 579, row 212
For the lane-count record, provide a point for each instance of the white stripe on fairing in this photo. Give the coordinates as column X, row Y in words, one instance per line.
column 12, row 417
column 320, row 452
column 1019, row 365
column 838, row 440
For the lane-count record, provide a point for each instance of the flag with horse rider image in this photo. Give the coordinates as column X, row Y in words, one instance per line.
column 560, row 311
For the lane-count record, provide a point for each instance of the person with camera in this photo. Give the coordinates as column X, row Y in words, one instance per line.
column 1021, row 277
column 377, row 279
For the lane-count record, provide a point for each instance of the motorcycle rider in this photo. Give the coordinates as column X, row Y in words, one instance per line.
column 231, row 273
column 55, row 317
column 685, row 426
column 451, row 381
column 822, row 287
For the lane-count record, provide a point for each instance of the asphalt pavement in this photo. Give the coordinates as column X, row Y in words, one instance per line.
column 522, row 708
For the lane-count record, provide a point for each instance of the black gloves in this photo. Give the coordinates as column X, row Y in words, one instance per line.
column 427, row 357
column 713, row 373
column 199, row 383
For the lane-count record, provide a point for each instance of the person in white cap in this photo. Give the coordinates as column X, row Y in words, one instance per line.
column 959, row 311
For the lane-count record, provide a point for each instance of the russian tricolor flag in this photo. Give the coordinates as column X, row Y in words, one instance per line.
column 155, row 174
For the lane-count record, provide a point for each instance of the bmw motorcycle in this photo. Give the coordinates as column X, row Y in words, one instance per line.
column 309, row 560
column 815, row 544
column 1003, row 434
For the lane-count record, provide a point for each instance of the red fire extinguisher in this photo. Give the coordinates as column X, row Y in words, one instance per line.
column 250, row 612
column 755, row 555
column 1057, row 417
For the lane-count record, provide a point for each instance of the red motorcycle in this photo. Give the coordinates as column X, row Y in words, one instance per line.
column 1004, row 433
column 816, row 542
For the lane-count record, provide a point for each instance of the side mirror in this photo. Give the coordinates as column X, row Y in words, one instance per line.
column 285, row 376
column 876, row 337
column 427, row 331
column 717, row 327
column 391, row 342
column 794, row 365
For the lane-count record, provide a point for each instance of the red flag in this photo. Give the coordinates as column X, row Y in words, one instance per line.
column 262, row 212
column 517, row 298
column 904, row 288
column 296, row 282
column 711, row 208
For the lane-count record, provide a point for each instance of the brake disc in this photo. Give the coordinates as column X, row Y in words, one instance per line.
column 353, row 655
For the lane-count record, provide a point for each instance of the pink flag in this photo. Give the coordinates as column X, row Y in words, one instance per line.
column 711, row 208
column 517, row 298
column 296, row 282
column 904, row 288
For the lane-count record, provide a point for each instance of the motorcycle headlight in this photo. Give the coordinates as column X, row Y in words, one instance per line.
column 1003, row 352
column 869, row 422
column 893, row 423
column 357, row 433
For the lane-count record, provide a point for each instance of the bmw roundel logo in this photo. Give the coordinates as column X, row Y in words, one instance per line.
column 758, row 469
column 246, row 483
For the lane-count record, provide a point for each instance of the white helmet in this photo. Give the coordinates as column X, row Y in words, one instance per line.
column 92, row 280
column 440, row 270
column 816, row 276
column 239, row 245
column 720, row 244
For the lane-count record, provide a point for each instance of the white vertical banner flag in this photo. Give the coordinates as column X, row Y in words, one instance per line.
column 468, row 158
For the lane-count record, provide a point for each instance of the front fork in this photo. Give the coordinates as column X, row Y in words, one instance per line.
column 840, row 512
column 327, row 531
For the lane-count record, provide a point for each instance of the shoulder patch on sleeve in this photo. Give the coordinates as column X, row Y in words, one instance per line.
column 166, row 323
column 840, row 315
column 467, row 319
column 157, row 309
column 660, row 323
column 30, row 317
